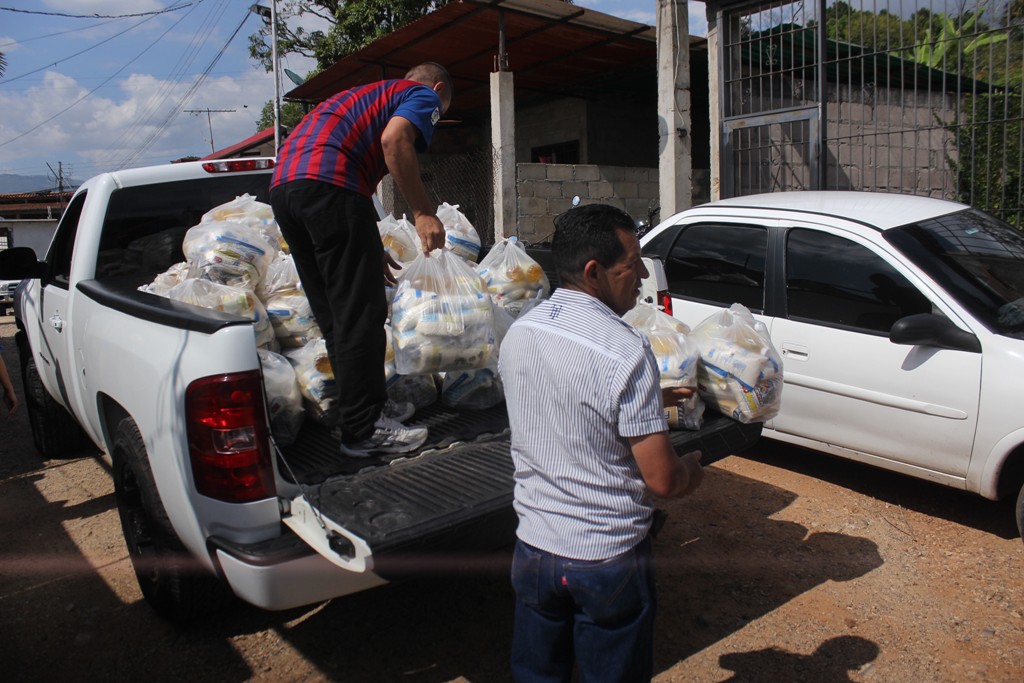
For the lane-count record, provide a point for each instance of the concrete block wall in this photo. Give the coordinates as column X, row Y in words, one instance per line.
column 546, row 190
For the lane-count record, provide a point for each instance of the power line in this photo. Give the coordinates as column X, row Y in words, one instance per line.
column 174, row 8
column 209, row 121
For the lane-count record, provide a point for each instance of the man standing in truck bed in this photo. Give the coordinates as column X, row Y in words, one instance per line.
column 327, row 171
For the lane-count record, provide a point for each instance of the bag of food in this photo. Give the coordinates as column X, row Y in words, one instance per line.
column 313, row 373
column 284, row 399
column 461, row 238
column 740, row 370
column 246, row 210
column 678, row 360
column 419, row 390
column 399, row 238
column 227, row 253
column 235, row 300
column 163, row 282
column 512, row 276
column 441, row 316
column 473, row 389
column 282, row 277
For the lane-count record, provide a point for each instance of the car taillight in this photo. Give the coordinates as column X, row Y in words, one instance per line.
column 227, row 437
column 665, row 301
column 230, row 165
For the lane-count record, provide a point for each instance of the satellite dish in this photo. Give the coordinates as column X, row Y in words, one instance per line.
column 294, row 77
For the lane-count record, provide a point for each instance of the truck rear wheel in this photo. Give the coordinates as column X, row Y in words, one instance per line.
column 54, row 432
column 1020, row 512
column 172, row 582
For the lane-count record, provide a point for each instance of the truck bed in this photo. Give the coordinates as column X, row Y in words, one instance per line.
column 455, row 494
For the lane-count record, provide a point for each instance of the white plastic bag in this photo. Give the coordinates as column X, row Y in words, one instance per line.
column 284, row 398
column 740, row 370
column 246, row 210
column 235, row 300
column 163, row 282
column 512, row 276
column 313, row 373
column 461, row 238
column 399, row 238
column 228, row 253
column 441, row 316
column 678, row 359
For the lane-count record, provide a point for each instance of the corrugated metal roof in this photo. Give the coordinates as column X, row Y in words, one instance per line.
column 553, row 48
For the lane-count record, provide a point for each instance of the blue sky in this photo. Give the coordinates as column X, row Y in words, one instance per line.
column 93, row 93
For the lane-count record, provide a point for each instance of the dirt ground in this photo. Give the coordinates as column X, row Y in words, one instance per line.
column 785, row 566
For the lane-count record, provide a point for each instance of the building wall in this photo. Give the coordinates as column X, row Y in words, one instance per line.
column 547, row 190
column 31, row 233
column 551, row 123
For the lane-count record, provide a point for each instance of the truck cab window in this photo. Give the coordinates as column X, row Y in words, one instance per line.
column 59, row 257
column 719, row 264
column 835, row 281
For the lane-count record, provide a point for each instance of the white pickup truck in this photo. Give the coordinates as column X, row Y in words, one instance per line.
column 173, row 393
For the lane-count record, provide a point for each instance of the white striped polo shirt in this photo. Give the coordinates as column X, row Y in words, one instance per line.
column 578, row 381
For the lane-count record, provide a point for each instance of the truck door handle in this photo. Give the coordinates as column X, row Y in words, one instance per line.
column 57, row 322
column 794, row 351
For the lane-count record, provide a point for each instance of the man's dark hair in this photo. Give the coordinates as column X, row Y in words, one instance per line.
column 588, row 233
column 432, row 72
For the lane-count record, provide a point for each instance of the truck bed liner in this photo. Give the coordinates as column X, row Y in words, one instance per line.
column 457, row 493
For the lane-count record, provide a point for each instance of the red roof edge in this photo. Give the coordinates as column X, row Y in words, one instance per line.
column 259, row 138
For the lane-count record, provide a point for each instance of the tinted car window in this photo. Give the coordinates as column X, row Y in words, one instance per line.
column 832, row 280
column 63, row 244
column 720, row 264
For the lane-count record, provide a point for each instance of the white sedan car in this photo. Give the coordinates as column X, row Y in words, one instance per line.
column 899, row 319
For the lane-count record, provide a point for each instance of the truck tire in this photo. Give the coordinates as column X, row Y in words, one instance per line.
column 172, row 582
column 54, row 432
column 1020, row 512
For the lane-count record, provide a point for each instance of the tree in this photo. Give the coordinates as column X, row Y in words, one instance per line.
column 354, row 24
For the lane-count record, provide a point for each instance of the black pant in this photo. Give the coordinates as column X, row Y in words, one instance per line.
column 333, row 237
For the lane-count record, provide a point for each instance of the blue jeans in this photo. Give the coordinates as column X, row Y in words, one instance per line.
column 598, row 613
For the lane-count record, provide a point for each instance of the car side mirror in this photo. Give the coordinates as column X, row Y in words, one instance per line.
column 20, row 263
column 928, row 329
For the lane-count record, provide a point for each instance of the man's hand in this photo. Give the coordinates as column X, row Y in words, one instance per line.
column 431, row 232
column 389, row 263
column 674, row 396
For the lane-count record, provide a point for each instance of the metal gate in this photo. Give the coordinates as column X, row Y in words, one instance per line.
column 920, row 97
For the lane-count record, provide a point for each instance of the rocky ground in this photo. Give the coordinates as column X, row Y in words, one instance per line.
column 785, row 566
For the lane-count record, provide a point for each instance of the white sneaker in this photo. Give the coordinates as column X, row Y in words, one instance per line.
column 389, row 436
column 399, row 411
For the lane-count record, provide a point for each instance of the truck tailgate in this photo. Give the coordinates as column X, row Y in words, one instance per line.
column 456, row 497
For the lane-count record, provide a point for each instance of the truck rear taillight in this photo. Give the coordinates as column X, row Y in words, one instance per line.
column 228, row 437
column 231, row 165
column 665, row 301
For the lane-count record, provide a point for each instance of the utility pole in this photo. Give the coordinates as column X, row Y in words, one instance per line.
column 209, row 122
column 58, row 177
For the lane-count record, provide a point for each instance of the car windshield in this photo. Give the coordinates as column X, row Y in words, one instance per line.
column 977, row 258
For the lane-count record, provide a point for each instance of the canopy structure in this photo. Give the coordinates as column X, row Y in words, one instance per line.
column 553, row 48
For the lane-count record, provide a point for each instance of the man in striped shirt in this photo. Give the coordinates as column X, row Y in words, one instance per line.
column 590, row 445
column 327, row 171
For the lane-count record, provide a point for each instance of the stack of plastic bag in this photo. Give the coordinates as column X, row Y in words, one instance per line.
column 246, row 210
column 512, row 276
column 313, row 373
column 286, row 303
column 284, row 398
column 234, row 300
column 228, row 253
column 441, row 316
column 741, row 372
column 461, row 238
column 678, row 360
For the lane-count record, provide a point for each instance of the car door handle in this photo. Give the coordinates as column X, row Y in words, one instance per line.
column 794, row 351
column 57, row 322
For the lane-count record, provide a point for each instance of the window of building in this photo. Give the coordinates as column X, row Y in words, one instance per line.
column 561, row 153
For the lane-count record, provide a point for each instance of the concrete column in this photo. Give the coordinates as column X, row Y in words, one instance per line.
column 675, row 164
column 715, row 100
column 503, row 144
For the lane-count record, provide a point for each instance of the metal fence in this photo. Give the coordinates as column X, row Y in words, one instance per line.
column 922, row 97
column 464, row 179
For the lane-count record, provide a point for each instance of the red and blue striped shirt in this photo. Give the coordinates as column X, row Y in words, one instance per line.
column 339, row 141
